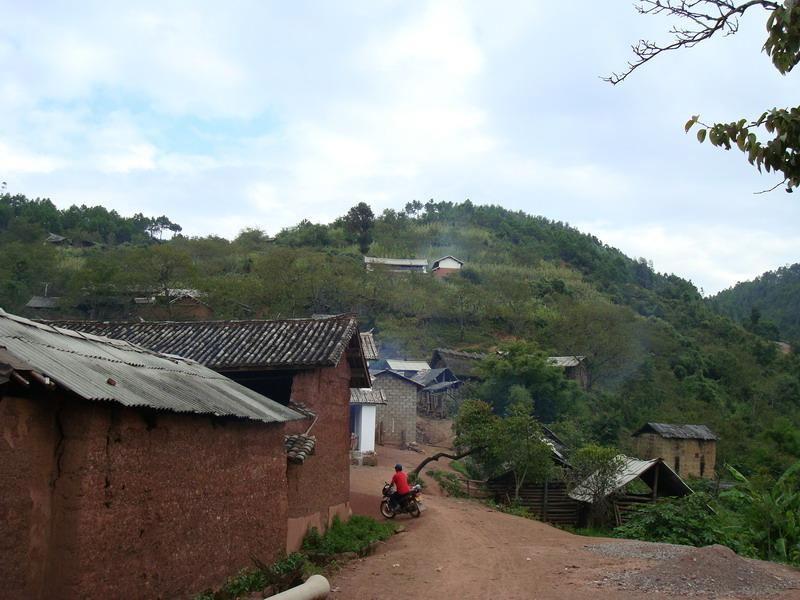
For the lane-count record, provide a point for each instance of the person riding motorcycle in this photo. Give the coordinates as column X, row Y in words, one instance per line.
column 401, row 487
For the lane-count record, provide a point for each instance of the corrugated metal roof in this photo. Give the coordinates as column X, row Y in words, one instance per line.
column 630, row 470
column 399, row 262
column 367, row 396
column 368, row 346
column 43, row 302
column 439, row 387
column 682, row 432
column 97, row 368
column 407, row 365
column 565, row 361
column 389, row 372
column 228, row 345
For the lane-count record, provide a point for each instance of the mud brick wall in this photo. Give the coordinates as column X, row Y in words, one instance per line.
column 319, row 488
column 696, row 458
column 399, row 414
column 105, row 501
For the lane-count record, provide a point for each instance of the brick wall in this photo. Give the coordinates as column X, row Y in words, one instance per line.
column 696, row 458
column 320, row 487
column 105, row 501
column 399, row 415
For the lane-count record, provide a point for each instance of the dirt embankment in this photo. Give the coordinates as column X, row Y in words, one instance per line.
column 461, row 549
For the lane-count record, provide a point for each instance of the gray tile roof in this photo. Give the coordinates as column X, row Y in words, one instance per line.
column 461, row 363
column 684, row 432
column 299, row 447
column 289, row 344
column 367, row 396
column 102, row 369
column 369, row 346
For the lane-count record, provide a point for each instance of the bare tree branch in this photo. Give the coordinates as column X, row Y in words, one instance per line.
column 708, row 16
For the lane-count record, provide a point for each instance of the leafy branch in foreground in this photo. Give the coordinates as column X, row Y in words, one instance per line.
column 778, row 150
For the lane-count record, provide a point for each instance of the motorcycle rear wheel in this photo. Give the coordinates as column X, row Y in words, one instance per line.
column 387, row 512
column 413, row 509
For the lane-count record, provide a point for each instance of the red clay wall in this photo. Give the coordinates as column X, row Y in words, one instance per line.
column 320, row 487
column 133, row 504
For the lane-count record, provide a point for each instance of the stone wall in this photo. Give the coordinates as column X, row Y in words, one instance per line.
column 397, row 419
column 694, row 458
column 104, row 501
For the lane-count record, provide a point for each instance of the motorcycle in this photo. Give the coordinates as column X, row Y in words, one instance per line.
column 410, row 503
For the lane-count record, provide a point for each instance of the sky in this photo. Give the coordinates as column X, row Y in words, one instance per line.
column 260, row 114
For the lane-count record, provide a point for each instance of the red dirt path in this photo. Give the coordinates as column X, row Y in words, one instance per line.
column 461, row 549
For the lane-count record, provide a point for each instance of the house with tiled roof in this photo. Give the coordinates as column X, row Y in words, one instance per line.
column 691, row 450
column 309, row 362
column 119, row 463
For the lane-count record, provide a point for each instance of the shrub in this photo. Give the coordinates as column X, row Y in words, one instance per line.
column 449, row 482
column 355, row 535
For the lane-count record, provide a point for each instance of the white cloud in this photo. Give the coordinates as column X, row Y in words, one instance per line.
column 16, row 161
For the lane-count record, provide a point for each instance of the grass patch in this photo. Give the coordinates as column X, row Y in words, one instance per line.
column 318, row 552
column 449, row 482
column 355, row 535
column 414, row 479
column 588, row 531
column 460, row 467
column 512, row 509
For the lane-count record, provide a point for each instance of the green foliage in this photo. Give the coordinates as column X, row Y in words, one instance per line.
column 768, row 306
column 688, row 520
column 449, row 482
column 282, row 574
column 770, row 514
column 778, row 150
column 594, row 469
column 355, row 535
column 514, row 508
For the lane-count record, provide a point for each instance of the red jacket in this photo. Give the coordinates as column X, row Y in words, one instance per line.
column 400, row 483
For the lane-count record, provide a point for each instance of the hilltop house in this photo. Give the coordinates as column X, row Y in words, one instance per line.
column 307, row 363
column 121, row 467
column 397, row 419
column 396, row 265
column 690, row 449
column 446, row 265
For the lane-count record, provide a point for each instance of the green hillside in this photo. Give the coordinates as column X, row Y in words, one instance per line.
column 656, row 350
column 770, row 304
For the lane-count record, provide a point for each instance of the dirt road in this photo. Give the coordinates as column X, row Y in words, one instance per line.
column 461, row 549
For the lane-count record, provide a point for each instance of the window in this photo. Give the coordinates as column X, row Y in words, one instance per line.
column 678, row 465
column 702, row 464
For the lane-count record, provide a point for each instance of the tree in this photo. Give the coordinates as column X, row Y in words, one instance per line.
column 514, row 443
column 594, row 470
column 779, row 149
column 358, row 224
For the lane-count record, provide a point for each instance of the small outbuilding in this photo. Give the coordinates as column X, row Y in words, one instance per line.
column 690, row 449
column 574, row 368
column 396, row 265
column 364, row 403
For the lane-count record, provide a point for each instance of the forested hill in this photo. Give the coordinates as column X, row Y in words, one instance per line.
column 656, row 350
column 770, row 304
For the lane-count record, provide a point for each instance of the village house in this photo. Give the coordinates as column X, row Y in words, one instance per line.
column 126, row 473
column 396, row 265
column 308, row 364
column 397, row 419
column 574, row 368
column 446, row 265
column 440, row 393
column 462, row 364
column 691, row 450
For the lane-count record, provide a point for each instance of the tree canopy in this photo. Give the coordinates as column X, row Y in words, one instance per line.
column 771, row 140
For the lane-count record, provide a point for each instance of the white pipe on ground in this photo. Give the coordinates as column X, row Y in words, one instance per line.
column 316, row 587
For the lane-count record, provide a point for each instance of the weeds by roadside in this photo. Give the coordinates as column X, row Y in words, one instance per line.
column 318, row 553
column 449, row 482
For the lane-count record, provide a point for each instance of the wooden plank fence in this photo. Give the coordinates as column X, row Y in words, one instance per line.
column 548, row 502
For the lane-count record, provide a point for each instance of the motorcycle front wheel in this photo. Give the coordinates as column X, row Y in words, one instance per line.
column 413, row 509
column 386, row 511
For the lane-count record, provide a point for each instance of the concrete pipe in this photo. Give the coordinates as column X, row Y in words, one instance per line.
column 316, row 587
